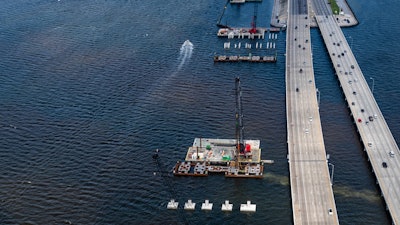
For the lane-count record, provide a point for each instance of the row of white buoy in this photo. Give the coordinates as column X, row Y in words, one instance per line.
column 270, row 45
column 226, row 206
column 232, row 35
column 273, row 36
column 227, row 45
column 247, row 45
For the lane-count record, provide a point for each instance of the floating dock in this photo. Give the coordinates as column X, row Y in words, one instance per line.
column 189, row 205
column 238, row 58
column 172, row 204
column 226, row 206
column 243, row 1
column 248, row 207
column 206, row 205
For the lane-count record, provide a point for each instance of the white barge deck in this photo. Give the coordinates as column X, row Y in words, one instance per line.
column 219, row 156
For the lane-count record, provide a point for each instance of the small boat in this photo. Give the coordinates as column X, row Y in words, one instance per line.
column 187, row 43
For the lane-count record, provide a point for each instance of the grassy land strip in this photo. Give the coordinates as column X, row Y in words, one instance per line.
column 334, row 6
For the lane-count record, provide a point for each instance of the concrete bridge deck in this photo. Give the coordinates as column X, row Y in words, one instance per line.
column 379, row 143
column 311, row 190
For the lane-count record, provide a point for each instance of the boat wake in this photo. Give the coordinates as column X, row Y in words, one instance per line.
column 157, row 88
column 185, row 53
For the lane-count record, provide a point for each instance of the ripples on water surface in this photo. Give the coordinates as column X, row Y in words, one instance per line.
column 90, row 88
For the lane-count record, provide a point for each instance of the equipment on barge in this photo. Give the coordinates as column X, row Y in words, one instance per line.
column 233, row 157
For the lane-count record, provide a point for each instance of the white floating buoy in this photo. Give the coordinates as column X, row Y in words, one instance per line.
column 172, row 204
column 227, row 206
column 206, row 205
column 189, row 205
column 248, row 207
column 227, row 45
column 260, row 45
column 240, row 43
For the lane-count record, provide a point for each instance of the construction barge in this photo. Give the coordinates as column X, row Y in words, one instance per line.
column 219, row 156
column 238, row 58
column 242, row 33
column 249, row 33
column 232, row 157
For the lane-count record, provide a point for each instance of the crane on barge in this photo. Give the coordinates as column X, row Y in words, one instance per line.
column 235, row 157
column 253, row 29
column 242, row 150
column 239, row 120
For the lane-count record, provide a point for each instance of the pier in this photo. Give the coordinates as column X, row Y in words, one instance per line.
column 311, row 189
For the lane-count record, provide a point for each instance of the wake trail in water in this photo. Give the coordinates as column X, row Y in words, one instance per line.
column 155, row 93
column 155, row 90
column 185, row 53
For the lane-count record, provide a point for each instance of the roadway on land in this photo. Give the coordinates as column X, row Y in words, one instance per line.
column 311, row 190
column 372, row 127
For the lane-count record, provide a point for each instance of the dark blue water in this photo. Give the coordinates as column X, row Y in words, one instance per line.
column 88, row 90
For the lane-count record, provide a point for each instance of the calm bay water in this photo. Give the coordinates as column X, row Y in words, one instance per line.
column 88, row 90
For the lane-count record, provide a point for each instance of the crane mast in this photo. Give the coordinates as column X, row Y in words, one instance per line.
column 239, row 119
column 253, row 29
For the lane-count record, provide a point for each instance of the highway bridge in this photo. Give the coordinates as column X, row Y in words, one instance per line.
column 311, row 189
column 379, row 143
